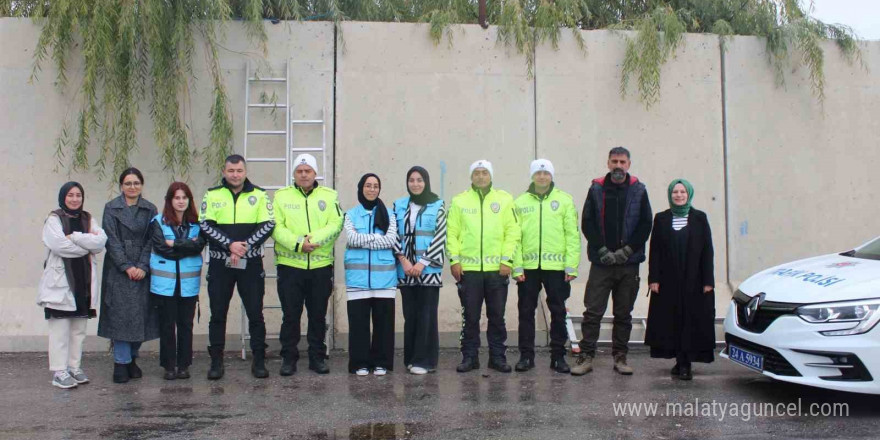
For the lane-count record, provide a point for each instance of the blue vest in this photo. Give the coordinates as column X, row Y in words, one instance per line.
column 426, row 224
column 164, row 272
column 365, row 268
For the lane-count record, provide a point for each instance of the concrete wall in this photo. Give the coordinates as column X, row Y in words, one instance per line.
column 403, row 102
column 803, row 179
column 31, row 117
column 581, row 117
column 800, row 176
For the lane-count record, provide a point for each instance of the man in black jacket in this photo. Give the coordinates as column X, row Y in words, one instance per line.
column 236, row 218
column 617, row 221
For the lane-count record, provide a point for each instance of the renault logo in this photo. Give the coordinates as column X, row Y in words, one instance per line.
column 751, row 310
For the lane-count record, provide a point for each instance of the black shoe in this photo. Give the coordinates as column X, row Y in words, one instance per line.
column 676, row 370
column 468, row 364
column 216, row 370
column 183, row 373
column 686, row 373
column 319, row 366
column 559, row 365
column 134, row 371
column 500, row 365
column 258, row 367
column 120, row 373
column 170, row 374
column 525, row 364
column 288, row 367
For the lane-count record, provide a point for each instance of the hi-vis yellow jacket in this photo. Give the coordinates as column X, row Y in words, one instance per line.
column 297, row 215
column 482, row 231
column 550, row 236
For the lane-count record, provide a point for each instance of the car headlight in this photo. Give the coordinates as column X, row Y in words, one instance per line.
column 863, row 314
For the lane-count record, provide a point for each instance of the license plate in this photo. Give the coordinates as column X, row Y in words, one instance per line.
column 745, row 358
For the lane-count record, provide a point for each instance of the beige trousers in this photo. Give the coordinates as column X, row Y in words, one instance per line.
column 66, row 338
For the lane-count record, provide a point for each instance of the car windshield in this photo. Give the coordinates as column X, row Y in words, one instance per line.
column 870, row 251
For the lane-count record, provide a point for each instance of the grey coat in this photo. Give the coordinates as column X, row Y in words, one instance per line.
column 126, row 311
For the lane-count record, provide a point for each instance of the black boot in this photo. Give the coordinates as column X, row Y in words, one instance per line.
column 120, row 373
column 134, row 371
column 170, row 374
column 318, row 366
column 216, row 370
column 500, row 365
column 525, row 364
column 559, row 365
column 686, row 372
column 676, row 370
column 258, row 367
column 288, row 366
column 467, row 364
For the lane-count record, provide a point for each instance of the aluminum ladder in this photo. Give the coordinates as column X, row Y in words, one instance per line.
column 291, row 151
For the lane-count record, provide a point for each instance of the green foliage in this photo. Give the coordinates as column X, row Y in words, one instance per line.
column 784, row 24
column 141, row 51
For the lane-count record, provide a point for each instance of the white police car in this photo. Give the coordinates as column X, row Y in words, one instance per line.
column 812, row 321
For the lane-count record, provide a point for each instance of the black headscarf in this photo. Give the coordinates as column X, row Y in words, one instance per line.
column 62, row 195
column 426, row 197
column 382, row 221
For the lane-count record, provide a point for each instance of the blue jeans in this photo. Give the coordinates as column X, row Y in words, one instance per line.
column 124, row 352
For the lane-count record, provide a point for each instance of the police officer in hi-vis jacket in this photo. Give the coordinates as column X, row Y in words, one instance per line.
column 308, row 223
column 482, row 236
column 549, row 255
column 236, row 217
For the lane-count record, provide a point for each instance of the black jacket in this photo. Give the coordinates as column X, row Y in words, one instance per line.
column 616, row 216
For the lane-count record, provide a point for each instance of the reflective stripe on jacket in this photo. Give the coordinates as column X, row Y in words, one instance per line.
column 368, row 268
column 164, row 271
column 482, row 231
column 550, row 236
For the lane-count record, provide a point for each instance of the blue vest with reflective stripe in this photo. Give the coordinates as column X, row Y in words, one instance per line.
column 426, row 224
column 365, row 268
column 164, row 272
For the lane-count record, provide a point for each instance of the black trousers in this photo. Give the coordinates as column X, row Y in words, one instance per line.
column 251, row 288
column 558, row 290
column 310, row 288
column 365, row 351
column 622, row 284
column 176, row 315
column 477, row 287
column 421, row 337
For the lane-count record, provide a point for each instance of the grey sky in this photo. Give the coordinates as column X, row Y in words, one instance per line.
column 861, row 15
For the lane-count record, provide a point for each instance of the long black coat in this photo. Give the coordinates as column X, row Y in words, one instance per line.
column 126, row 312
column 681, row 318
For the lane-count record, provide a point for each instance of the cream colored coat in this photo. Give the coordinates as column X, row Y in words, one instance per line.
column 54, row 291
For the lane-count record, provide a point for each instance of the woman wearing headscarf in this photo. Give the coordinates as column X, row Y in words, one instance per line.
column 370, row 280
column 176, row 269
column 127, row 317
column 68, row 290
column 421, row 253
column 681, row 314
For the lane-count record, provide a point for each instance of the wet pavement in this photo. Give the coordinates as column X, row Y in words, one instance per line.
column 477, row 405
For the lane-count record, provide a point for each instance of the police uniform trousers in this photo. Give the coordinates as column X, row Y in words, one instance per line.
column 251, row 288
column 310, row 288
column 558, row 290
column 476, row 288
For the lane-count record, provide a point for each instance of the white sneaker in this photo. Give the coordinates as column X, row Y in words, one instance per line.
column 63, row 379
column 379, row 371
column 418, row 371
column 362, row 372
column 78, row 375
